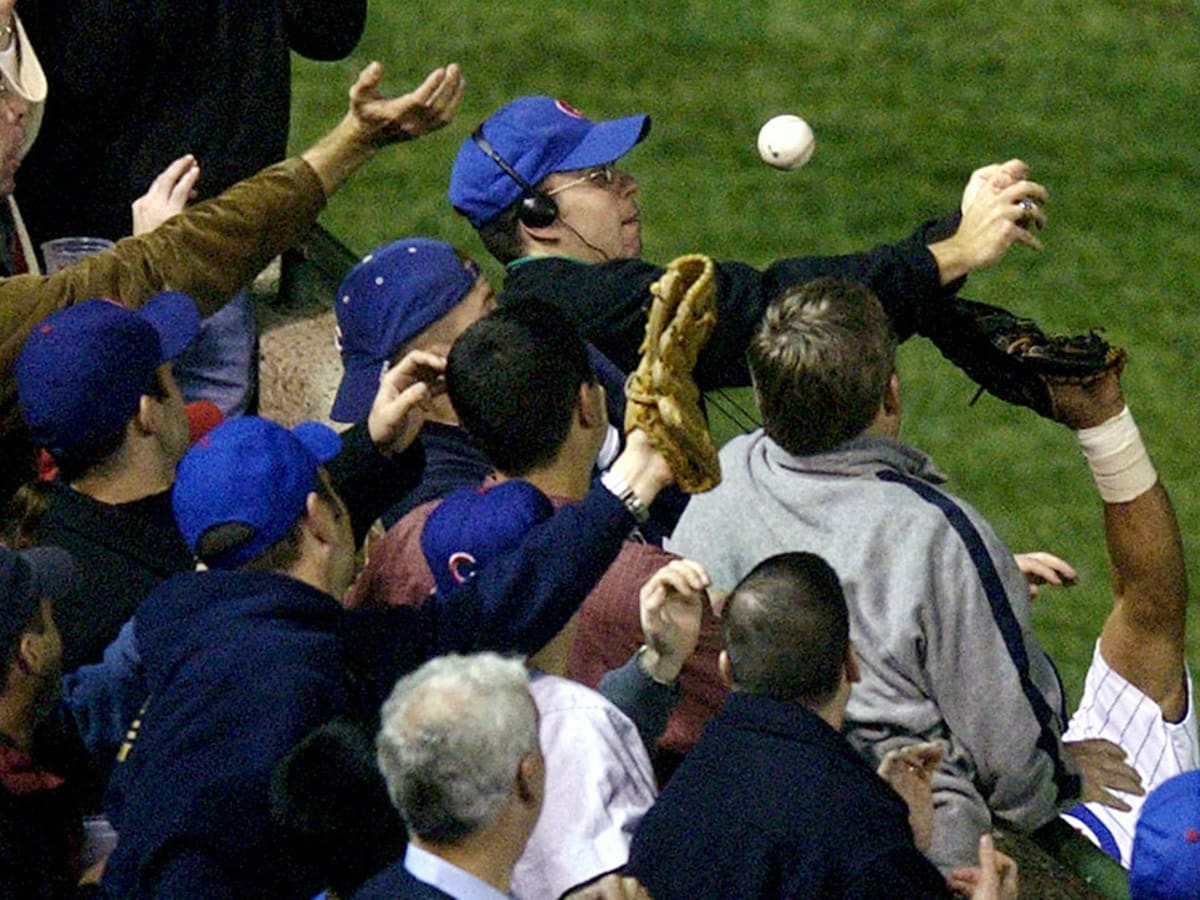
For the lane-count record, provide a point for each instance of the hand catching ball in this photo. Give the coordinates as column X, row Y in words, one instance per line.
column 786, row 142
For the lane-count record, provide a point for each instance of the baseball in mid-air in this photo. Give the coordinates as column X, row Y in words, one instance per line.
column 786, row 142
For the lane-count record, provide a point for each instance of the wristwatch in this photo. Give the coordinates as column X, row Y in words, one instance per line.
column 622, row 491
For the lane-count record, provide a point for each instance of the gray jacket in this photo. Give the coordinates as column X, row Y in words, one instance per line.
column 939, row 616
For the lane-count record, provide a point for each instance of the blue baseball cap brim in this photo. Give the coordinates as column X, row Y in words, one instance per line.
column 536, row 136
column 83, row 369
column 386, row 300
column 252, row 472
column 356, row 394
column 173, row 314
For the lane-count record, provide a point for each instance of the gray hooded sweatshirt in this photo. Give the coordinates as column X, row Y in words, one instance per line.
column 939, row 617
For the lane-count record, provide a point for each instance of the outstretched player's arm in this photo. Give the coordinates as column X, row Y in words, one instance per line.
column 1143, row 637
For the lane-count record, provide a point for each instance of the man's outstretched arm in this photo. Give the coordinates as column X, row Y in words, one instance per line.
column 1143, row 637
column 214, row 248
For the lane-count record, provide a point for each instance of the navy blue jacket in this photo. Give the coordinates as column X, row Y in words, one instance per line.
column 242, row 665
column 773, row 803
column 452, row 460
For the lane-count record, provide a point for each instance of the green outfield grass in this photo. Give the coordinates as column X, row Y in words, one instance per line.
column 907, row 97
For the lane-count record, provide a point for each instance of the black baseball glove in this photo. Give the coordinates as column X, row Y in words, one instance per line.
column 1012, row 358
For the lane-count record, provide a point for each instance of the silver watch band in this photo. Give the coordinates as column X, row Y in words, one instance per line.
column 620, row 489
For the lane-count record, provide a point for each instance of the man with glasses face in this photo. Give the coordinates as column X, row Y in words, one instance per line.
column 543, row 187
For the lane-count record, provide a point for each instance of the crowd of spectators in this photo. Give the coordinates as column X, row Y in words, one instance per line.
column 555, row 675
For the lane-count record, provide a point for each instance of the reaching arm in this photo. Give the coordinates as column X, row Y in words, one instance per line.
column 1143, row 637
column 647, row 687
column 379, row 462
column 212, row 249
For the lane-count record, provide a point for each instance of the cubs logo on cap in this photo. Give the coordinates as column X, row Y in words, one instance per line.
column 536, row 136
column 474, row 526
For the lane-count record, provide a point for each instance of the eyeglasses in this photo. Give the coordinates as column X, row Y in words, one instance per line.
column 601, row 176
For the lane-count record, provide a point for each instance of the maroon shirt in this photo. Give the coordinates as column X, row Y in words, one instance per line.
column 608, row 627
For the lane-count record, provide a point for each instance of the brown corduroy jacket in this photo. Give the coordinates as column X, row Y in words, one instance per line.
column 209, row 252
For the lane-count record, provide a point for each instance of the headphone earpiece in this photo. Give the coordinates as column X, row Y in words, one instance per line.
column 536, row 209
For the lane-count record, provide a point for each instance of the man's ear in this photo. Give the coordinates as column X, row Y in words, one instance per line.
column 853, row 672
column 530, row 779
column 891, row 396
column 725, row 669
column 149, row 415
column 318, row 518
column 531, row 234
column 591, row 405
column 30, row 653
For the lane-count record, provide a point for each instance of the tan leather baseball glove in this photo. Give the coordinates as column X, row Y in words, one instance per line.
column 661, row 397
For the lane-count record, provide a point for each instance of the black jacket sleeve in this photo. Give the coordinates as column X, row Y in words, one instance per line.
column 370, row 482
column 609, row 301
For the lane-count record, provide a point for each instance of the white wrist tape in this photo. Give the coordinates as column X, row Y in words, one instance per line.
column 1118, row 459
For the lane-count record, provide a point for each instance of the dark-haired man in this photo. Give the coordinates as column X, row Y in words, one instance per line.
column 523, row 386
column 939, row 607
column 773, row 802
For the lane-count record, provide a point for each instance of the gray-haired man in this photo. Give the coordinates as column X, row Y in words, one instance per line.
column 458, row 747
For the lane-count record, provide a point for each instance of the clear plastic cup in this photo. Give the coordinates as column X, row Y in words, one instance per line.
column 66, row 251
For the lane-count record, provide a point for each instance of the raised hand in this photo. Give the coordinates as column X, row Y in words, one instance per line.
column 389, row 119
column 374, row 121
column 999, row 205
column 167, row 195
column 671, row 603
column 403, row 399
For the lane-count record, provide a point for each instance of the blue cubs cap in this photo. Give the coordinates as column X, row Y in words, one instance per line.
column 83, row 370
column 26, row 576
column 537, row 136
column 473, row 526
column 1166, row 845
column 252, row 472
column 390, row 297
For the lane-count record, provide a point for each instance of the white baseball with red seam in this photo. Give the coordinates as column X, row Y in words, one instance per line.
column 786, row 142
